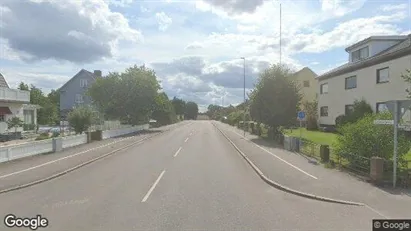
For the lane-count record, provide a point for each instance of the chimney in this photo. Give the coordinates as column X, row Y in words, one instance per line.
column 97, row 73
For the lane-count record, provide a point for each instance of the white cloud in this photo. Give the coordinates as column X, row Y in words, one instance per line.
column 120, row 3
column 67, row 28
column 164, row 21
column 391, row 7
column 194, row 46
column 341, row 7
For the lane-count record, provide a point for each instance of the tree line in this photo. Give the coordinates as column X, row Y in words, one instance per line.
column 134, row 97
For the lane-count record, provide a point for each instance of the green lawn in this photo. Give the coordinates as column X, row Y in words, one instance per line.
column 318, row 137
column 408, row 156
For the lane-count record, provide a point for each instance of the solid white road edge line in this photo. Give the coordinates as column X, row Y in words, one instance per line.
column 178, row 151
column 186, row 140
column 295, row 167
column 153, row 187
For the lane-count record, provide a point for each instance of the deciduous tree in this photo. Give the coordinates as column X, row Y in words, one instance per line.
column 129, row 96
column 275, row 99
column 191, row 111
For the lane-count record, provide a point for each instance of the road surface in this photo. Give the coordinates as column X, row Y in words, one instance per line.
column 189, row 178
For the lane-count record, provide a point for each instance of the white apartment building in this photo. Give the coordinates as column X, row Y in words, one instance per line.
column 373, row 73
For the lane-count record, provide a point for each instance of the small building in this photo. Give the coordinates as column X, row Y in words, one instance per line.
column 73, row 92
column 16, row 103
column 373, row 73
column 308, row 84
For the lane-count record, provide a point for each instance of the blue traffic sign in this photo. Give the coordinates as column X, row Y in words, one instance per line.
column 301, row 115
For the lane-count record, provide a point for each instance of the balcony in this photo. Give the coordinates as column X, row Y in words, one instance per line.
column 14, row 95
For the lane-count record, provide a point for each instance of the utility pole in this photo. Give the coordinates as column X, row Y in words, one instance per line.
column 244, row 98
column 280, row 33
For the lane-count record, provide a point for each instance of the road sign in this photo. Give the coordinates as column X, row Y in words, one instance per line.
column 406, row 127
column 301, row 115
column 384, row 122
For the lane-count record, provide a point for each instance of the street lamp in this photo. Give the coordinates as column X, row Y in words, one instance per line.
column 243, row 58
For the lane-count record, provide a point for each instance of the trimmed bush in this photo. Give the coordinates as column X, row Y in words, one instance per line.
column 43, row 136
column 365, row 139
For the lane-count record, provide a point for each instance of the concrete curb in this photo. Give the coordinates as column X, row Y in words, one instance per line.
column 85, row 163
column 282, row 187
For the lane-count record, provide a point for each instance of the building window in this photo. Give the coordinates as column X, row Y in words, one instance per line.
column 349, row 108
column 28, row 116
column 324, row 111
column 381, row 107
column 351, row 82
column 2, row 118
column 79, row 98
column 383, row 75
column 83, row 83
column 324, row 88
column 360, row 54
column 306, row 83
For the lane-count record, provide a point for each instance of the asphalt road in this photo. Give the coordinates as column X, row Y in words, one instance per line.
column 189, row 178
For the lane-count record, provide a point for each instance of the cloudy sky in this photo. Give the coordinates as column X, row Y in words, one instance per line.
column 194, row 46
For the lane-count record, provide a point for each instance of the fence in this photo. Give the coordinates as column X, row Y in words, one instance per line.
column 110, row 125
column 310, row 149
column 71, row 141
column 119, row 132
column 357, row 164
column 27, row 149
column 46, row 146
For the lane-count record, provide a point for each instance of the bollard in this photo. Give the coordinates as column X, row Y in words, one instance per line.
column 57, row 144
column 325, row 153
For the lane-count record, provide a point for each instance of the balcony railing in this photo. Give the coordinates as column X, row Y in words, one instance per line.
column 14, row 95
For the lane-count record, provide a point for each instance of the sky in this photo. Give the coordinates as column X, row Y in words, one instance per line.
column 195, row 47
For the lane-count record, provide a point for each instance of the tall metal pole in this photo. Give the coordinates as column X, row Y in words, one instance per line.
column 280, row 33
column 396, row 119
column 244, row 100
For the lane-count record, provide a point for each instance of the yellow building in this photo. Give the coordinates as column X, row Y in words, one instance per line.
column 306, row 79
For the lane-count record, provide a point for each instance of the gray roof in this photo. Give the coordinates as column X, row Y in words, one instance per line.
column 3, row 82
column 82, row 71
column 379, row 38
column 397, row 51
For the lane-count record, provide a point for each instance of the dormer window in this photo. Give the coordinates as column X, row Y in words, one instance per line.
column 360, row 54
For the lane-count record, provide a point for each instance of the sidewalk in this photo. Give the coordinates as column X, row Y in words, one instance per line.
column 29, row 169
column 299, row 173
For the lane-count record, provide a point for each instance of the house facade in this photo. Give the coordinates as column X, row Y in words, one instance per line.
column 308, row 84
column 73, row 92
column 373, row 73
column 15, row 103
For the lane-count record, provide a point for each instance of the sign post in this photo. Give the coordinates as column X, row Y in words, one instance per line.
column 397, row 108
column 301, row 118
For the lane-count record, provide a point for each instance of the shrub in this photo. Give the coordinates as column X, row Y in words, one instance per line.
column 80, row 119
column 311, row 115
column 29, row 127
column 55, row 134
column 364, row 138
column 43, row 136
column 340, row 120
column 234, row 117
column 15, row 123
